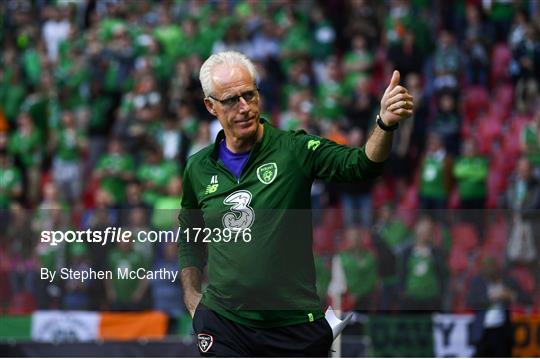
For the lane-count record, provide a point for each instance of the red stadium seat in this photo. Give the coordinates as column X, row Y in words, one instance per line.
column 410, row 198
column 495, row 179
column 408, row 205
column 475, row 102
column 458, row 261
column 497, row 233
column 88, row 195
column 467, row 130
column 21, row 303
column 504, row 96
column 453, row 202
column 490, row 125
column 382, row 193
column 511, row 145
column 367, row 242
column 460, row 292
column 5, row 290
column 494, row 250
column 491, row 200
column 378, row 76
column 464, row 237
column 333, row 218
column 499, row 112
column 323, row 241
column 460, row 303
column 489, row 129
column 501, row 163
column 525, row 278
column 500, row 61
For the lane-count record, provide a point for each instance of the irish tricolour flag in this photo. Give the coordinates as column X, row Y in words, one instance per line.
column 77, row 326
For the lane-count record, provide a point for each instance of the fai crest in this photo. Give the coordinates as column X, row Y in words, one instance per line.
column 267, row 173
column 205, row 342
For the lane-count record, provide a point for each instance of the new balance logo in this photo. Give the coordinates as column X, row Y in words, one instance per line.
column 213, row 186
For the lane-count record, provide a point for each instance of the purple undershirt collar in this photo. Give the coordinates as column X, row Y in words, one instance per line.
column 234, row 162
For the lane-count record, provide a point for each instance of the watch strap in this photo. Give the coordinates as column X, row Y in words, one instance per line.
column 384, row 126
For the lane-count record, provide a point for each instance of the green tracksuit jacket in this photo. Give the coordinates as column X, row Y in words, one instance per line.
column 268, row 281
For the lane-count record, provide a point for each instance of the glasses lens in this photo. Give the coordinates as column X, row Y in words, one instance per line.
column 248, row 95
column 234, row 100
column 231, row 101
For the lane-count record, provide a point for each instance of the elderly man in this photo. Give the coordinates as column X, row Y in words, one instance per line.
column 254, row 182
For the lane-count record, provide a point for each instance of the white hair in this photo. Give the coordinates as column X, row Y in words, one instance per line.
column 230, row 58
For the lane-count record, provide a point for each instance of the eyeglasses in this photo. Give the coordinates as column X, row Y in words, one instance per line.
column 233, row 101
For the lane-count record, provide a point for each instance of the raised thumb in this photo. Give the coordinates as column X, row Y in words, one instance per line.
column 394, row 81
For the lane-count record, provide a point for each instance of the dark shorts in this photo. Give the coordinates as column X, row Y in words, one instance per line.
column 218, row 336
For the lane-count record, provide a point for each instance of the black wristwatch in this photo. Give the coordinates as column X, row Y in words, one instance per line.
column 384, row 126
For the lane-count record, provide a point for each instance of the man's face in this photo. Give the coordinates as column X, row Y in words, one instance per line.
column 524, row 168
column 115, row 147
column 423, row 232
column 239, row 120
column 434, row 143
column 469, row 149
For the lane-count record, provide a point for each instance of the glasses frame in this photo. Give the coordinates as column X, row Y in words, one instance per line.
column 236, row 98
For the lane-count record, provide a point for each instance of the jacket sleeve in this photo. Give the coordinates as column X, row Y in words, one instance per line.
column 323, row 159
column 191, row 254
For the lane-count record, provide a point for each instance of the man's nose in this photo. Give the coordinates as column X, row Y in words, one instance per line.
column 243, row 105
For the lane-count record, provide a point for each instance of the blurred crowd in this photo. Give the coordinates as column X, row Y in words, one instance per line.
column 100, row 106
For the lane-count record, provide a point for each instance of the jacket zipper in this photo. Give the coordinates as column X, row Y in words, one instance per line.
column 229, row 173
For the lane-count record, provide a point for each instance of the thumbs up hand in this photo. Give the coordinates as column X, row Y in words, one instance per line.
column 396, row 103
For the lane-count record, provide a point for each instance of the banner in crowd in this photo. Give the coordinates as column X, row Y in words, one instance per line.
column 401, row 336
column 15, row 327
column 444, row 335
column 526, row 335
column 452, row 335
column 82, row 326
column 65, row 326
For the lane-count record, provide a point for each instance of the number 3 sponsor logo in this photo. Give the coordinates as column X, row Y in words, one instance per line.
column 241, row 215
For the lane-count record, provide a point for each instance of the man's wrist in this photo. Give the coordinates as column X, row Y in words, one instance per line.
column 383, row 126
column 192, row 301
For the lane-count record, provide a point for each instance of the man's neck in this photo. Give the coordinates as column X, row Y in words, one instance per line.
column 237, row 145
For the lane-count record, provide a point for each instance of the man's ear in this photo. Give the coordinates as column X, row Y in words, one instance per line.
column 210, row 106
